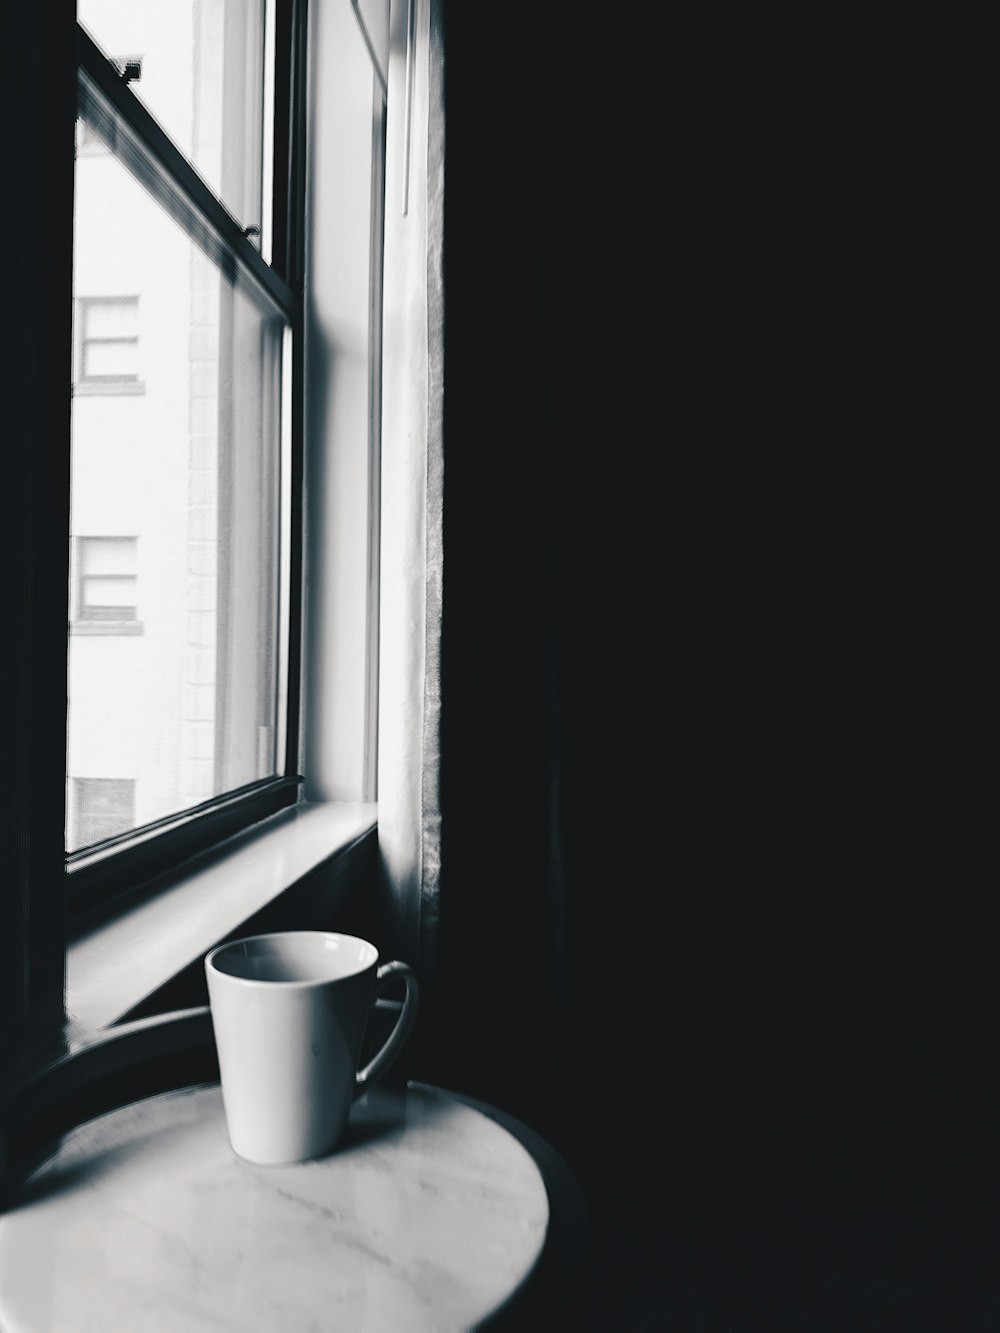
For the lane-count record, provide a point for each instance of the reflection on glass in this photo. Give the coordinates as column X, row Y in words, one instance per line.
column 173, row 653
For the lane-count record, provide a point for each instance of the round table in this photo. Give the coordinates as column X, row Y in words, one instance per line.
column 430, row 1215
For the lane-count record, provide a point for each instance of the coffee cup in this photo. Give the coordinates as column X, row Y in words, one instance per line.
column 289, row 1011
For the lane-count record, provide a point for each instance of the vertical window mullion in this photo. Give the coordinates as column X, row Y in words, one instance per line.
column 290, row 182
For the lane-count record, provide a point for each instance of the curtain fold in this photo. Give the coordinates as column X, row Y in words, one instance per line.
column 411, row 558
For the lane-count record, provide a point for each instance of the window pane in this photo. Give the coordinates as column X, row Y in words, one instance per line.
column 111, row 317
column 109, row 591
column 201, row 75
column 107, row 555
column 112, row 360
column 191, row 468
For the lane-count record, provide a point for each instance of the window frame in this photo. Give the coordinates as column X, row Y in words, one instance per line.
column 44, row 931
column 98, row 876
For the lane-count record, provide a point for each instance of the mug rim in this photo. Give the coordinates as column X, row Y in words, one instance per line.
column 212, row 954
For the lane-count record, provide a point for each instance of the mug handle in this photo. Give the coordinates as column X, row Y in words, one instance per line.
column 374, row 1070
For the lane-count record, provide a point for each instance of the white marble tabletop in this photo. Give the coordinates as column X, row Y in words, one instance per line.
column 428, row 1216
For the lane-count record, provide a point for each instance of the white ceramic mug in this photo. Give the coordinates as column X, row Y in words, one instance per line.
column 289, row 1012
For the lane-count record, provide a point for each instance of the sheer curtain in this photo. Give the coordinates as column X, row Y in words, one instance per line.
column 412, row 481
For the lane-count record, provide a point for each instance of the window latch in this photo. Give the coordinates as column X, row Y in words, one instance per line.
column 128, row 68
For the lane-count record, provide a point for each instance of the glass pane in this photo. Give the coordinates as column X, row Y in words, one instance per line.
column 187, row 710
column 114, row 360
column 115, row 318
column 107, row 591
column 108, row 555
column 198, row 66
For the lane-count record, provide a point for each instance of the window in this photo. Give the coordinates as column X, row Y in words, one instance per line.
column 182, row 428
column 183, row 235
column 108, row 344
column 99, row 808
column 107, row 583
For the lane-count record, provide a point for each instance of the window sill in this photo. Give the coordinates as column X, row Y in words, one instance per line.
column 114, row 966
column 109, row 389
column 107, row 627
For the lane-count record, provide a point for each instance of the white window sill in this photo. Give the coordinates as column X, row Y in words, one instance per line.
column 112, row 967
column 109, row 389
column 107, row 627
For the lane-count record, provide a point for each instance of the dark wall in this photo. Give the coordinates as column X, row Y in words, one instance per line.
column 562, row 630
column 697, row 837
column 36, row 143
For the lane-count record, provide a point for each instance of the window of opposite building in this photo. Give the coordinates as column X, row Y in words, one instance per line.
column 108, row 345
column 107, row 582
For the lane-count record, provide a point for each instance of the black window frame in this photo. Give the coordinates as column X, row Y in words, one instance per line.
column 47, row 896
